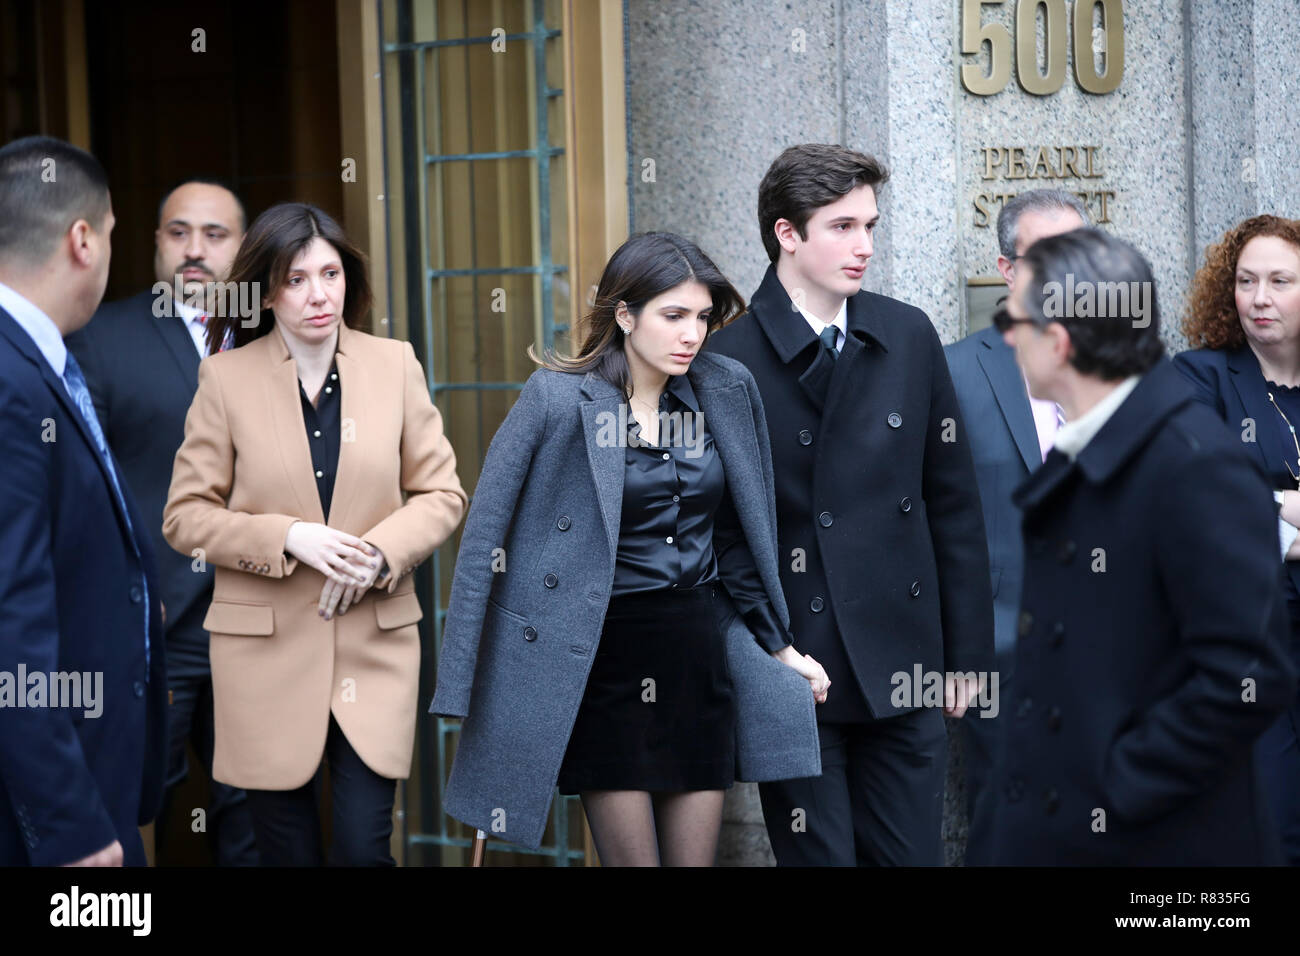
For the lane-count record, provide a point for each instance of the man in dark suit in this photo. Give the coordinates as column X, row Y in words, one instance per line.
column 1151, row 645
column 82, row 678
column 1009, row 436
column 884, row 560
column 141, row 358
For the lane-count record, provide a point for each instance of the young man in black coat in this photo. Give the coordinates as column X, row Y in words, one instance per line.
column 1151, row 640
column 884, row 561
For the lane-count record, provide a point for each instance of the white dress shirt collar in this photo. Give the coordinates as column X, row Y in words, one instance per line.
column 38, row 325
column 198, row 332
column 1075, row 434
column 840, row 322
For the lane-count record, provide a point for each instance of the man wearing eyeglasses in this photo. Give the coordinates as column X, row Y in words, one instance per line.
column 1151, row 644
column 1009, row 434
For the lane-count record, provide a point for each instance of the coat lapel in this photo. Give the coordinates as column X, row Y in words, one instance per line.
column 1040, row 484
column 816, row 378
column 844, row 370
column 355, row 385
column 729, row 418
column 1008, row 386
column 864, row 341
column 1252, row 391
column 24, row 344
column 173, row 331
column 285, row 410
column 601, row 423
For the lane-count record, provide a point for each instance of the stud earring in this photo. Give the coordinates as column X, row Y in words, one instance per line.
column 626, row 330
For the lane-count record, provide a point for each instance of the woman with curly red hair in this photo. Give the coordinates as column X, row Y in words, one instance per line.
column 1244, row 324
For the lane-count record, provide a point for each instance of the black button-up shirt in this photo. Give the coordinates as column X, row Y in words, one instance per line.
column 679, row 527
column 322, row 423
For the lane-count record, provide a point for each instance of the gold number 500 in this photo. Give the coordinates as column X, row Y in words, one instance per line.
column 975, row 34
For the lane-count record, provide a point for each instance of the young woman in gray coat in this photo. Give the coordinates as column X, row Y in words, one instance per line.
column 616, row 621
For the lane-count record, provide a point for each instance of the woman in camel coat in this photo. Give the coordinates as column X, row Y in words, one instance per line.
column 314, row 476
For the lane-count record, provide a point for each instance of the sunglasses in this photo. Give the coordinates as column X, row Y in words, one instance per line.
column 1002, row 321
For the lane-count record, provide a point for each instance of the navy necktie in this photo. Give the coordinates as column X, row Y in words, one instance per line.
column 75, row 382
column 828, row 337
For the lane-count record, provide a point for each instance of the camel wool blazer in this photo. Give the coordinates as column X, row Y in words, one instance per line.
column 242, row 476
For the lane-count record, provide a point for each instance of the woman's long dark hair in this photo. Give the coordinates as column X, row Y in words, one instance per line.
column 647, row 265
column 272, row 242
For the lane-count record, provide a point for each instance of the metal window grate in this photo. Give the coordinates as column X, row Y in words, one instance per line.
column 411, row 62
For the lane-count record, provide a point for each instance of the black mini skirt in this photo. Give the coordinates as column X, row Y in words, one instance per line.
column 658, row 713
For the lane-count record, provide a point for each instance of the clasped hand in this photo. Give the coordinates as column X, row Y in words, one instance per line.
column 808, row 669
column 350, row 565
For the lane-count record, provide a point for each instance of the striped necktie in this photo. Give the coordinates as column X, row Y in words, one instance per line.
column 75, row 382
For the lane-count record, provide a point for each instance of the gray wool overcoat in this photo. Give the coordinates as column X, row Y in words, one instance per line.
column 533, row 581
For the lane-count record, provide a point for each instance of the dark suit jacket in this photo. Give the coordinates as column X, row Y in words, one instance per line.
column 142, row 371
column 1129, row 741
column 882, row 509
column 1231, row 383
column 70, row 600
column 1004, row 445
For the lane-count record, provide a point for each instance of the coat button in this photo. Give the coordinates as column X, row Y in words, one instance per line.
column 905, row 505
column 805, row 437
column 136, row 594
column 1054, row 719
column 825, row 519
column 895, row 420
column 530, row 633
column 550, row 580
column 816, row 605
column 563, row 523
column 1026, row 624
column 1058, row 633
column 1065, row 552
column 138, row 689
column 915, row 589
column 1051, row 800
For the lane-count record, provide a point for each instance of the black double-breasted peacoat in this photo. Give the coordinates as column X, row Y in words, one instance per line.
column 1150, row 649
column 883, row 557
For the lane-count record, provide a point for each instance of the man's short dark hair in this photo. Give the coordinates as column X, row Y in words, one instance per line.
column 45, row 186
column 1104, row 293
column 206, row 181
column 806, row 177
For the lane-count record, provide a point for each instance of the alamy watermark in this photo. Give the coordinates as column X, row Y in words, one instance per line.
column 1099, row 300
column 63, row 689
column 676, row 430
column 926, row 689
column 237, row 300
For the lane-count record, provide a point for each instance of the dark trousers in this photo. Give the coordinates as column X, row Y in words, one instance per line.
column 981, row 738
column 878, row 802
column 287, row 822
column 226, row 820
column 1278, row 754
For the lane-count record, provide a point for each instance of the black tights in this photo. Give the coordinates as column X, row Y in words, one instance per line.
column 636, row 828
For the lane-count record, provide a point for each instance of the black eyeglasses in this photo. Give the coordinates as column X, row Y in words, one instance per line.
column 1002, row 321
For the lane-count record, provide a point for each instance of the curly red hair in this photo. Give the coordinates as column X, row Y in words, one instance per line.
column 1212, row 321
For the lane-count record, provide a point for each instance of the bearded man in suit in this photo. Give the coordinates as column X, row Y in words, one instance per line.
column 141, row 359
